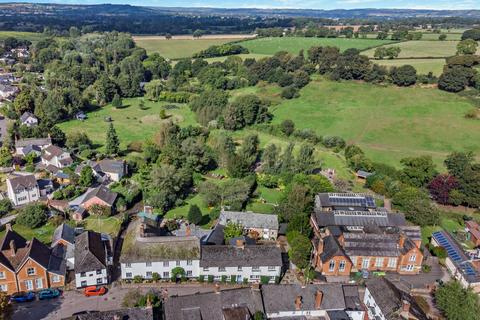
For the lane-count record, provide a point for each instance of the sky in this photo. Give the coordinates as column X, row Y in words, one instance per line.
column 301, row 4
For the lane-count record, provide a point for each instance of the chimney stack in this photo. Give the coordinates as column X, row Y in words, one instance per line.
column 240, row 243
column 13, row 248
column 188, row 231
column 405, row 306
column 401, row 242
column 8, row 227
column 217, row 288
column 318, row 299
column 298, row 303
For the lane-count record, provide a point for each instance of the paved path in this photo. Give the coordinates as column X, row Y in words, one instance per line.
column 74, row 301
column 7, row 219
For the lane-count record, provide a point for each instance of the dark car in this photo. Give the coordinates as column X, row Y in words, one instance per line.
column 22, row 297
column 48, row 294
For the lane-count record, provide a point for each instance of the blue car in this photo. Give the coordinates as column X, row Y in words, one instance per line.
column 48, row 294
column 22, row 297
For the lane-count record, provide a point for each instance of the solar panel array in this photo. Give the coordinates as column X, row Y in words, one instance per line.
column 353, row 200
column 454, row 253
column 360, row 213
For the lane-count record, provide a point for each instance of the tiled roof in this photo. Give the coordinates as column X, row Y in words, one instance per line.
column 359, row 218
column 65, row 232
column 33, row 141
column 90, row 252
column 122, row 314
column 374, row 245
column 102, row 193
column 22, row 181
column 331, row 248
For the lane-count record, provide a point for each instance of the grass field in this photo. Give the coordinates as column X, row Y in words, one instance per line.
column 177, row 48
column 423, row 66
column 109, row 225
column 131, row 123
column 269, row 46
column 434, row 36
column 389, row 123
column 44, row 233
column 243, row 56
column 423, row 49
column 31, row 36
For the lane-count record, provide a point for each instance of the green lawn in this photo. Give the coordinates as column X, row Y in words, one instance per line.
column 44, row 233
column 388, row 122
column 176, row 48
column 434, row 36
column 30, row 36
column 109, row 225
column 269, row 46
column 423, row 49
column 130, row 122
column 423, row 66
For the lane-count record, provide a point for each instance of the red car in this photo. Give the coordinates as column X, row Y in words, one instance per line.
column 94, row 291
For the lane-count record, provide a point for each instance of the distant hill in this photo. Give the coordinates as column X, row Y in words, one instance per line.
column 160, row 20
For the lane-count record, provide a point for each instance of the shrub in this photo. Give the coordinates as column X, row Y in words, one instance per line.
column 201, row 279
column 178, row 273
column 426, row 268
column 233, row 279
column 224, row 279
column 135, row 146
column 264, row 279
column 210, row 279
column 439, row 252
column 155, row 276
column 245, row 280
column 33, row 215
column 163, row 114
column 290, row 93
column 137, row 279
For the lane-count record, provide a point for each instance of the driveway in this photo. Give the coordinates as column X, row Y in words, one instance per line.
column 74, row 301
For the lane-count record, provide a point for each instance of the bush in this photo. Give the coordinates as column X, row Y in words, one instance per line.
column 439, row 252
column 194, row 214
column 155, row 276
column 137, row 279
column 178, row 273
column 290, row 93
column 233, row 279
column 426, row 268
column 264, row 279
column 33, row 215
column 224, row 279
column 5, row 206
column 210, row 279
column 201, row 279
column 245, row 280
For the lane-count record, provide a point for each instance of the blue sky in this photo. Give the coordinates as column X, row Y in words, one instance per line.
column 304, row 4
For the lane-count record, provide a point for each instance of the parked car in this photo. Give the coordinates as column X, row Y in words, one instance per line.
column 48, row 294
column 94, row 291
column 22, row 297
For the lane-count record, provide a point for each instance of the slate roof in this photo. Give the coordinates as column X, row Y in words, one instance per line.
column 52, row 151
column 352, row 299
column 216, row 236
column 21, row 181
column 65, row 232
column 331, row 248
column 212, row 305
column 389, row 299
column 250, row 220
column 123, row 314
column 278, row 298
column 102, row 193
column 57, row 263
column 367, row 244
column 26, row 115
column 90, row 252
column 248, row 256
column 110, row 166
column 359, row 218
column 344, row 200
column 412, row 232
column 161, row 248
column 33, row 141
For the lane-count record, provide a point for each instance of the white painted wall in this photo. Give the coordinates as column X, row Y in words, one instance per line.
column 91, row 278
column 372, row 308
column 160, row 267
column 23, row 196
column 245, row 272
column 297, row 313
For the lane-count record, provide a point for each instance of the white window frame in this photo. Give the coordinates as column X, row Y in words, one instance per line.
column 3, row 287
column 331, row 265
column 365, row 263
column 39, row 283
column 165, row 263
column 128, row 275
column 31, row 271
column 2, row 275
column 413, row 258
column 392, row 262
column 29, row 284
column 56, row 278
column 166, row 274
column 342, row 265
column 148, row 264
column 379, row 262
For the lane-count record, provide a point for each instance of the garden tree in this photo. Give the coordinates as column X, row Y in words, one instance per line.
column 356, row 159
column 78, row 140
column 100, row 210
column 5, row 206
column 456, row 197
column 209, row 105
column 153, row 89
column 287, row 127
column 270, row 159
column 232, row 230
column 295, row 199
column 112, row 144
column 244, row 111
column 178, row 273
column 117, row 101
column 167, row 184
column 241, row 164
column 467, row 172
column 233, row 193
column 224, row 147
column 442, row 37
column 300, row 249
column 194, row 214
column 33, row 215
column 458, row 162
column 417, row 206
column 314, row 183
column 156, row 67
column 403, row 76
column 103, row 89
column 131, row 74
column 377, row 74
column 392, row 52
column 467, row 46
column 290, row 92
column 473, row 34
column 417, row 171
column 86, row 176
column 300, row 79
column 5, row 157
column 285, row 80
column 382, row 35
column 455, row 79
column 456, row 302
column 24, row 101
column 301, row 223
column 213, row 77
column 197, row 66
column 305, row 161
column 441, row 187
column 6, row 308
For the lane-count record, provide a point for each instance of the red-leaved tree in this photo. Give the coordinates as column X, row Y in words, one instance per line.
column 441, row 186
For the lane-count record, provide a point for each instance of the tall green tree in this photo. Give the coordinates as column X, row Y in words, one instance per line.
column 112, row 145
column 456, row 302
column 86, row 176
column 194, row 214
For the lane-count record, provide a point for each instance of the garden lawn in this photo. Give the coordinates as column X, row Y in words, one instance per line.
column 388, row 122
column 108, row 225
column 423, row 49
column 423, row 66
column 30, row 36
column 176, row 48
column 269, row 46
column 43, row 233
column 130, row 122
